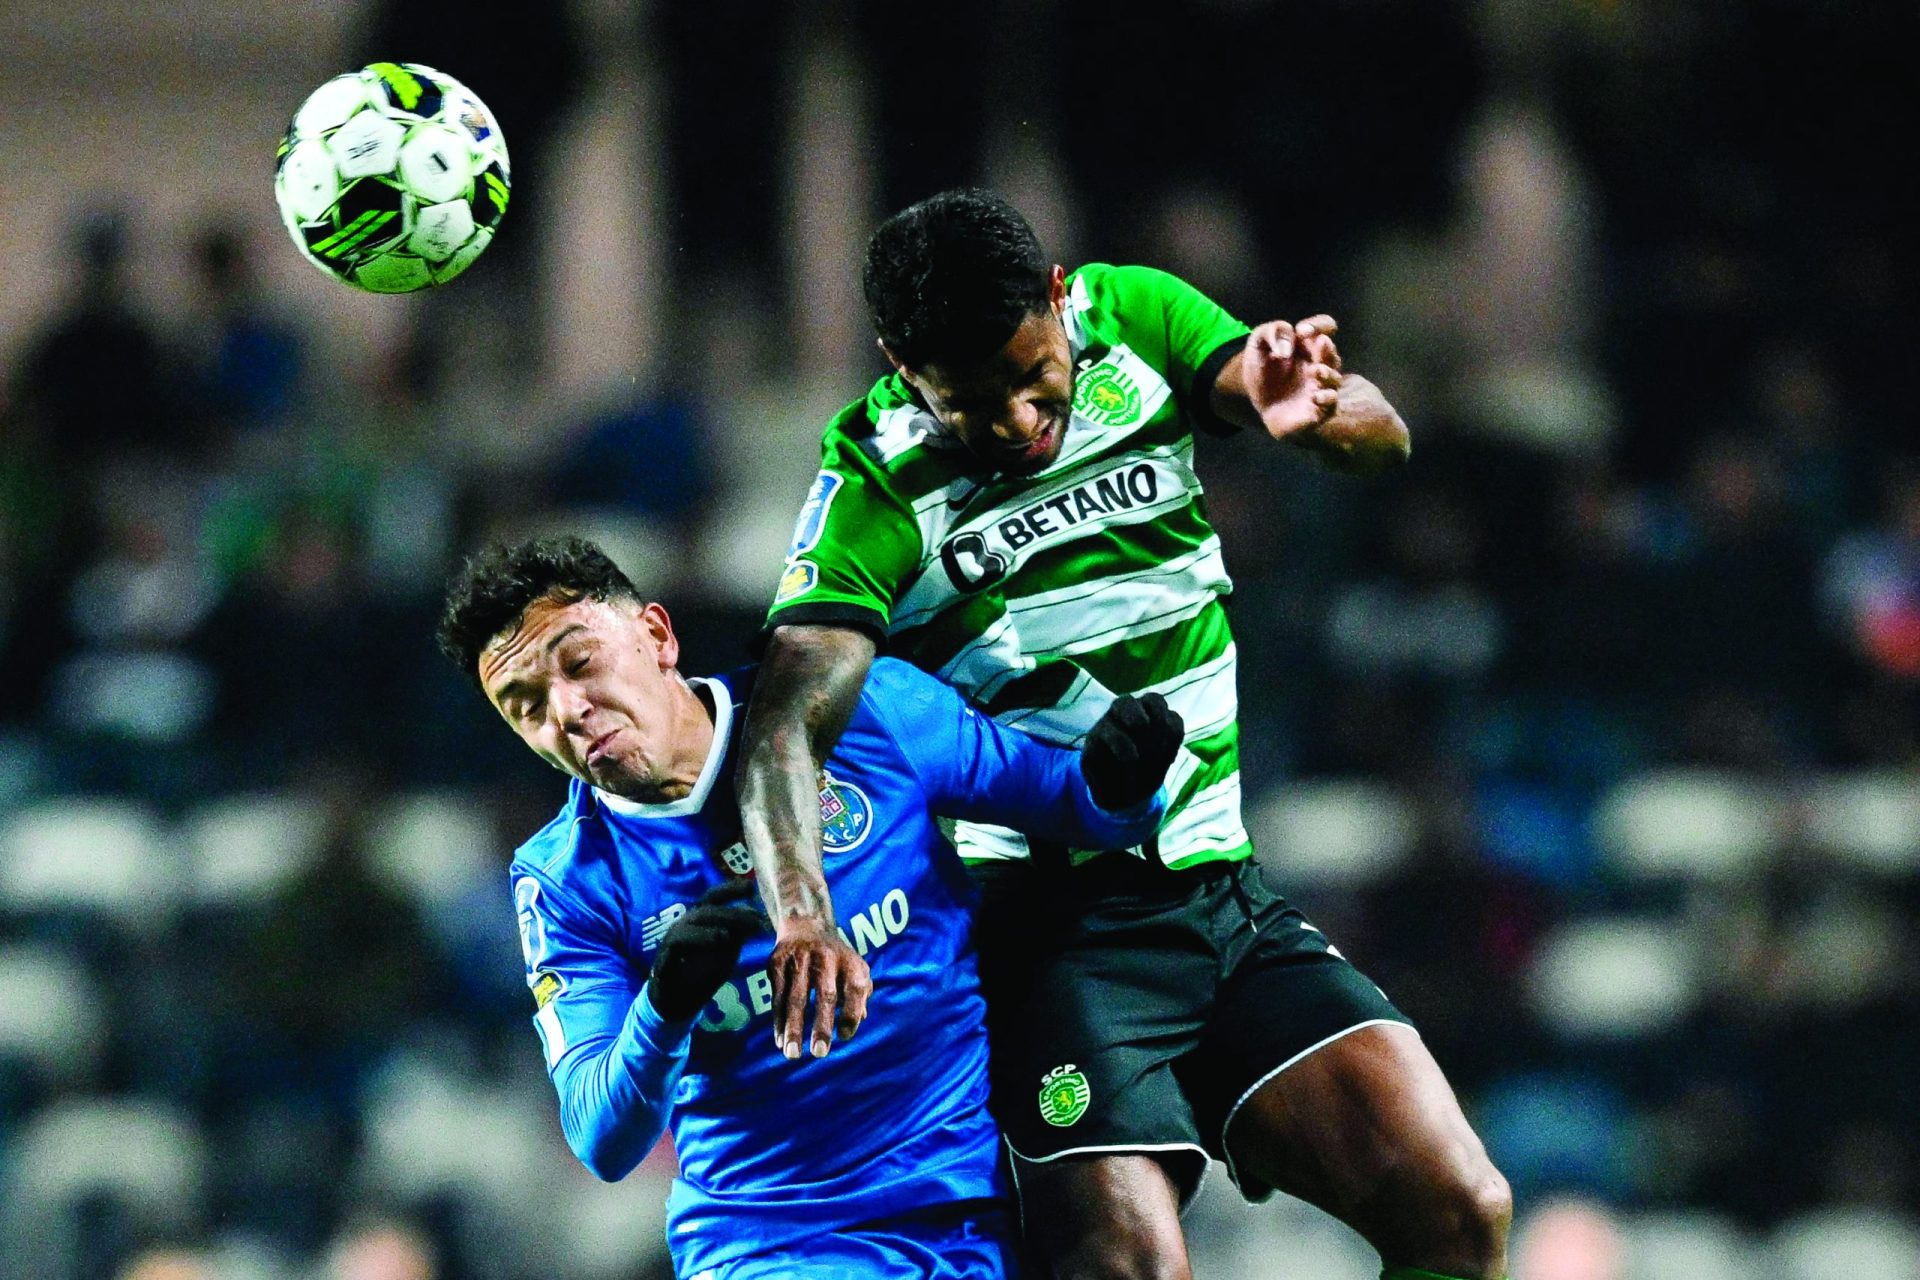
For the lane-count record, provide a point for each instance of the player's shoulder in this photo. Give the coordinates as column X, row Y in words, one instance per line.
column 549, row 851
column 896, row 692
column 888, row 439
column 890, row 675
column 1110, row 294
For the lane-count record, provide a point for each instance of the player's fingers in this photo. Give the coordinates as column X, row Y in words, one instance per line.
column 1327, row 402
column 1277, row 337
column 793, row 982
column 1328, row 376
column 1321, row 350
column 1320, row 324
column 855, row 987
column 826, row 1004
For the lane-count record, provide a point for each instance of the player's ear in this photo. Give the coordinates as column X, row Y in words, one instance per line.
column 666, row 645
column 1057, row 288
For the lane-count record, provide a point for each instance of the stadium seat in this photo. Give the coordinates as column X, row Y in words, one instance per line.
column 51, row 1020
column 73, row 853
column 1689, row 1246
column 434, row 846
column 431, row 1133
column 1847, row 1244
column 1557, row 1131
column 1870, row 818
column 611, row 1232
column 142, row 1154
column 1688, row 823
column 24, row 768
column 1343, row 833
column 239, row 849
column 1610, row 978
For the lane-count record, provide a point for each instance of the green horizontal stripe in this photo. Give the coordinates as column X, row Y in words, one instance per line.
column 1219, row 760
column 1131, row 665
column 1238, row 853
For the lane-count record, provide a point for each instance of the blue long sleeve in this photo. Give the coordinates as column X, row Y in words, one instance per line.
column 976, row 769
column 615, row 1091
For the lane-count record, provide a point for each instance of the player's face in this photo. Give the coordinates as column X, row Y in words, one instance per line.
column 1012, row 408
column 590, row 686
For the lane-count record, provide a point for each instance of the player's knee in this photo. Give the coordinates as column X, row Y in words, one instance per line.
column 1470, row 1211
column 1486, row 1208
column 1108, row 1258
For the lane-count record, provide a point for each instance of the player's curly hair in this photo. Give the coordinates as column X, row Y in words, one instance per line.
column 948, row 280
column 488, row 593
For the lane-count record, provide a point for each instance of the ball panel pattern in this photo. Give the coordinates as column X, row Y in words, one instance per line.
column 392, row 178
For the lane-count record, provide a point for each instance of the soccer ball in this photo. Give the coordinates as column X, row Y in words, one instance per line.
column 392, row 178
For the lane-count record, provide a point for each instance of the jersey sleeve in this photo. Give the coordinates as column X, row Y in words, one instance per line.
column 854, row 545
column 614, row 1061
column 971, row 767
column 1174, row 326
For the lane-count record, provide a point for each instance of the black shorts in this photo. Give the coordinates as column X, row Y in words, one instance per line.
column 1133, row 1009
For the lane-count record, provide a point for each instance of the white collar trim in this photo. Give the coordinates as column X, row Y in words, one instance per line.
column 696, row 799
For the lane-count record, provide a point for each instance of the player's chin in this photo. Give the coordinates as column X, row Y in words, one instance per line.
column 1037, row 456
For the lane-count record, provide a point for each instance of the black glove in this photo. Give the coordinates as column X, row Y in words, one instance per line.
column 1127, row 754
column 701, row 949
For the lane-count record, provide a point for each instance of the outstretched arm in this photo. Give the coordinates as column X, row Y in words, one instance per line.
column 1287, row 381
column 1106, row 795
column 806, row 690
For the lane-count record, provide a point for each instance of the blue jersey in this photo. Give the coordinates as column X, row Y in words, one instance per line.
column 773, row 1151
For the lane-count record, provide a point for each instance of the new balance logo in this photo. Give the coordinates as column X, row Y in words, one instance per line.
column 655, row 927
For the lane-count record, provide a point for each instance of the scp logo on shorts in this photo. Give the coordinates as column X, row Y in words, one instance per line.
column 1064, row 1095
column 846, row 815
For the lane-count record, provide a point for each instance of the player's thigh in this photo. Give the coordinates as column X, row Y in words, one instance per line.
column 1104, row 1216
column 970, row 1241
column 1289, row 999
column 1367, row 1127
column 1086, row 1016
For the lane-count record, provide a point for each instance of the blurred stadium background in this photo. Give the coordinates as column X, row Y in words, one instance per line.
column 1592, row 736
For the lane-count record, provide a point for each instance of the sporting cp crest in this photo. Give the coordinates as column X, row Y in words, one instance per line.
column 1107, row 396
column 846, row 815
column 1064, row 1095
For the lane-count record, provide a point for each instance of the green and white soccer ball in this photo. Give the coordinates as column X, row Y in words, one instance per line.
column 392, row 178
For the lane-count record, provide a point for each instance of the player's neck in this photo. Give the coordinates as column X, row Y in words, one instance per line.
column 694, row 710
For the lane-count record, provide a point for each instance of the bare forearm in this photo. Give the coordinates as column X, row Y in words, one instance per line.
column 1365, row 436
column 806, row 690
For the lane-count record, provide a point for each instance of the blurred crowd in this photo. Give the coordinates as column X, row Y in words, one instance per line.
column 1593, row 736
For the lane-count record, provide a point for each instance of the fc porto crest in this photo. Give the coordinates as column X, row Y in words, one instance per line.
column 846, row 815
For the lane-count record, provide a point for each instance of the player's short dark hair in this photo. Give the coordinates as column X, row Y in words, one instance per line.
column 487, row 594
column 948, row 280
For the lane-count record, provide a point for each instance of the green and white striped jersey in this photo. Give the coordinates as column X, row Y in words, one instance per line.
column 1043, row 597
